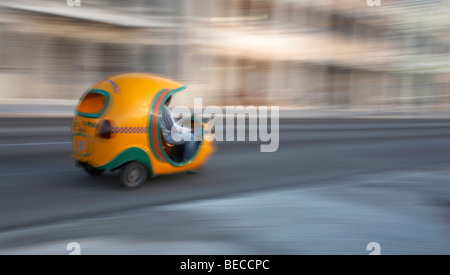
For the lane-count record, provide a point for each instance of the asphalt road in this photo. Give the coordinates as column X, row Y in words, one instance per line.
column 333, row 173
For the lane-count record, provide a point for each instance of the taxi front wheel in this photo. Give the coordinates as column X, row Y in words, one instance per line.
column 133, row 175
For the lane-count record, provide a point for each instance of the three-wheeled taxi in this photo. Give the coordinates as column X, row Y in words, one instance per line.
column 116, row 126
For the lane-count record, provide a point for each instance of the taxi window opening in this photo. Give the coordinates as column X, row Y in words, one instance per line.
column 93, row 103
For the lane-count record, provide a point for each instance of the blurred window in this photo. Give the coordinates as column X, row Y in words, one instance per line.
column 93, row 104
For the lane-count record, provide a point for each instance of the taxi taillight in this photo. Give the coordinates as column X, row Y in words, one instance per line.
column 105, row 129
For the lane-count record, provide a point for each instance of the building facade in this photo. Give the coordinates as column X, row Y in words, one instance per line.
column 292, row 53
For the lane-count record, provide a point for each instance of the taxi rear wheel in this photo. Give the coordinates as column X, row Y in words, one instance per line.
column 133, row 175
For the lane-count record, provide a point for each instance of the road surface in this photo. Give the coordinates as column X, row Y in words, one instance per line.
column 333, row 186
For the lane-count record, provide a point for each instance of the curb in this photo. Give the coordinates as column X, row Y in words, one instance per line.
column 58, row 108
column 346, row 116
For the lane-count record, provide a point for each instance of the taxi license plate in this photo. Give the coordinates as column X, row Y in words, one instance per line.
column 80, row 145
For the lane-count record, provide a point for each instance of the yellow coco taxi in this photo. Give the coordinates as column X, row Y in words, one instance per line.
column 116, row 126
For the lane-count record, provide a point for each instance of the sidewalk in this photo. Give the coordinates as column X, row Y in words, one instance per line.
column 342, row 218
column 66, row 108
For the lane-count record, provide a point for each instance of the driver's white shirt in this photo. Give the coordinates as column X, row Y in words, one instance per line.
column 169, row 126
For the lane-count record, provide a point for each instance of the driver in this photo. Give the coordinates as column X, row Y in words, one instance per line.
column 171, row 129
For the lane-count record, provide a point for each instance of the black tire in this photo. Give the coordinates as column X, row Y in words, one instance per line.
column 91, row 171
column 133, row 175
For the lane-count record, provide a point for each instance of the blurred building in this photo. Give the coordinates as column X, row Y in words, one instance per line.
column 324, row 53
column 51, row 50
column 294, row 53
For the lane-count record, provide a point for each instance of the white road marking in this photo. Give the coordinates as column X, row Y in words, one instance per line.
column 35, row 144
